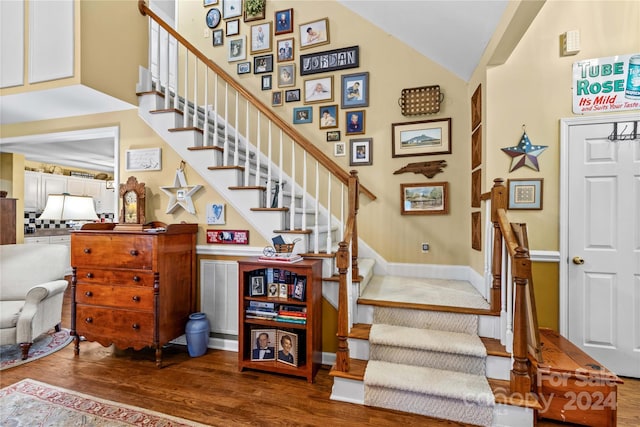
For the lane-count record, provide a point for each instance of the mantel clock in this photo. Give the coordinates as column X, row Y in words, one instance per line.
column 132, row 197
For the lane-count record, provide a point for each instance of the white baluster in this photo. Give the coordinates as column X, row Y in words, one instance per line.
column 329, row 242
column 215, row 111
column 269, row 162
column 205, row 120
column 185, row 109
column 258, row 151
column 292, row 206
column 167, row 92
column 236, row 137
column 195, row 92
column 316, row 237
column 176, row 70
column 246, row 150
column 225, row 143
column 280, row 177
column 342, row 212
column 304, row 189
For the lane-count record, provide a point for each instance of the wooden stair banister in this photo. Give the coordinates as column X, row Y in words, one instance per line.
column 292, row 133
column 513, row 237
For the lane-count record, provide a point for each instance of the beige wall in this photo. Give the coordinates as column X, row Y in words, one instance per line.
column 392, row 67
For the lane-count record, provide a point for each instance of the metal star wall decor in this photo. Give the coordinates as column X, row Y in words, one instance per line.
column 524, row 154
column 180, row 193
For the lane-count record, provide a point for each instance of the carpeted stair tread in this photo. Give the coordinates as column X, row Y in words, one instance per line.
column 444, row 321
column 427, row 339
column 431, row 382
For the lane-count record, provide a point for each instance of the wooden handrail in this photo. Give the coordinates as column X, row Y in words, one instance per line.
column 322, row 158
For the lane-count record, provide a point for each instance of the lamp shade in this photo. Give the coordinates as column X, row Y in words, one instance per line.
column 67, row 207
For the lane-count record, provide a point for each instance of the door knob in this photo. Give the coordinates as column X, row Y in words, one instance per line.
column 577, row 260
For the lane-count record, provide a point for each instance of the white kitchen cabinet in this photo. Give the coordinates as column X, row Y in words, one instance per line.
column 32, row 191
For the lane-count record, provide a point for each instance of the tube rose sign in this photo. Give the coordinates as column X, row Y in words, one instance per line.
column 606, row 84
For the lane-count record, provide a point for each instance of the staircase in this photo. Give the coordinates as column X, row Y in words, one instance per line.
column 411, row 356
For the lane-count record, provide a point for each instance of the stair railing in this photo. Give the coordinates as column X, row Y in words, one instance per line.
column 512, row 290
column 216, row 106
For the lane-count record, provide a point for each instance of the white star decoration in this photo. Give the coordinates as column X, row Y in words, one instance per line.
column 180, row 193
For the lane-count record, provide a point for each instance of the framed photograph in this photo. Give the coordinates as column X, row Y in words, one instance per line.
column 302, row 115
column 262, row 64
column 292, row 95
column 218, row 37
column 276, row 98
column 355, row 90
column 285, row 49
column 272, row 290
column 355, row 122
column 263, row 345
column 318, row 90
column 254, row 10
column 300, row 289
column 209, row 2
column 339, row 149
column 231, row 8
column 328, row 116
column 284, row 21
column 283, row 291
column 257, row 286
column 148, row 159
column 431, row 198
column 525, row 193
column 286, row 75
column 215, row 214
column 287, row 347
column 314, row 33
column 244, row 67
column 261, row 38
column 360, row 153
column 422, row 138
column 333, row 135
column 233, row 27
column 213, row 18
column 237, row 49
column 266, row 82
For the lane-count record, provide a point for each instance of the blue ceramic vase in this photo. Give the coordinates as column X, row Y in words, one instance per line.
column 197, row 332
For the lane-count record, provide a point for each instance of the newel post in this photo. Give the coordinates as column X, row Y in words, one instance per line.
column 498, row 201
column 520, row 378
column 342, row 354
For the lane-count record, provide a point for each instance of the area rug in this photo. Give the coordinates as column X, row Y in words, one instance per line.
column 35, row 404
column 44, row 345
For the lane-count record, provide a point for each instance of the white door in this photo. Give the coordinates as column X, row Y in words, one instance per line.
column 603, row 246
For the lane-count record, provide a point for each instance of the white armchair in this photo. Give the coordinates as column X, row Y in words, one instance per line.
column 32, row 289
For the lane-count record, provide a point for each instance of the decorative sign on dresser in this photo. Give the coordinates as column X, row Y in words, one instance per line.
column 133, row 289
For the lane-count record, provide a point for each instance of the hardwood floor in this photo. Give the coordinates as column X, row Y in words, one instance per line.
column 209, row 389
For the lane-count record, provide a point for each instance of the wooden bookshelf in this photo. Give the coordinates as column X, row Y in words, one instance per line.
column 304, row 309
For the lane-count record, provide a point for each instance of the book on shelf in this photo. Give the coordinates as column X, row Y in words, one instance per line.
column 261, row 312
column 263, row 305
column 258, row 317
column 297, row 314
column 287, row 319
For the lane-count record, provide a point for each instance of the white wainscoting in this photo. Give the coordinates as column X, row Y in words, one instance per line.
column 219, row 295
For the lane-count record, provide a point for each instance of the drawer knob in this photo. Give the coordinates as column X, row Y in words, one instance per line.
column 89, row 320
column 87, row 250
column 133, row 252
column 89, row 275
column 136, row 278
column 135, row 326
column 88, row 294
column 136, row 298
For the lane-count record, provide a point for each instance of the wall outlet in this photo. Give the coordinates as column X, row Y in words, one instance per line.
column 206, row 33
column 425, row 248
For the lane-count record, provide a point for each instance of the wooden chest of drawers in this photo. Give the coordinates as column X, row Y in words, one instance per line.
column 132, row 289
